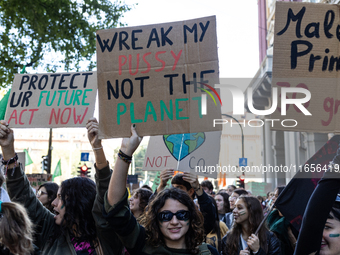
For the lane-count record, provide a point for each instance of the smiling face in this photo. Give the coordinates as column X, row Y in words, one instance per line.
column 59, row 208
column 220, row 204
column 241, row 214
column 174, row 230
column 330, row 244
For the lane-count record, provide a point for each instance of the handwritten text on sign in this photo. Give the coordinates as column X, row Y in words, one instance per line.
column 51, row 100
column 150, row 75
column 306, row 55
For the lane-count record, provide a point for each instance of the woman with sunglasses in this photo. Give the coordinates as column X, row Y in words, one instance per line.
column 173, row 223
column 241, row 239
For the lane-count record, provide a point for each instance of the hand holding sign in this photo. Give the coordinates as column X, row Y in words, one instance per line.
column 92, row 133
column 129, row 145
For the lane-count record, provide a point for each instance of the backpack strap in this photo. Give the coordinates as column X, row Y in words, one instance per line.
column 204, row 250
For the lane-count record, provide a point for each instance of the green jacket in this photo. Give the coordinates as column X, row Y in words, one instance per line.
column 108, row 238
column 19, row 190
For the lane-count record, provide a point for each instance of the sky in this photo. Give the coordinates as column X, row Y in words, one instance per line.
column 237, row 28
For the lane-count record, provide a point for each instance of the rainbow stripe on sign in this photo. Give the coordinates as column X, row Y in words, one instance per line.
column 204, row 98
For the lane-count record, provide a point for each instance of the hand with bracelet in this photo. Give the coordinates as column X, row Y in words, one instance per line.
column 117, row 185
column 92, row 127
column 7, row 144
column 129, row 145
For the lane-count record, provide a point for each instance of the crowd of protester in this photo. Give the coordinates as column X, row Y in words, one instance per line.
column 81, row 216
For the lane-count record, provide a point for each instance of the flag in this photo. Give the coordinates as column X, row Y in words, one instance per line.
column 57, row 170
column 293, row 199
column 4, row 100
column 156, row 181
column 3, row 105
column 28, row 159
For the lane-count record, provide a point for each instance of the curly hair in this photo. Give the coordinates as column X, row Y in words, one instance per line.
column 16, row 229
column 193, row 237
column 78, row 195
column 255, row 218
column 144, row 195
column 52, row 190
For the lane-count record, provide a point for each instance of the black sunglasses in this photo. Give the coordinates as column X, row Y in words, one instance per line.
column 167, row 215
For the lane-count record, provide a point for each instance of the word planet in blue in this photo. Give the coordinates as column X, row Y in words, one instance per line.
column 181, row 145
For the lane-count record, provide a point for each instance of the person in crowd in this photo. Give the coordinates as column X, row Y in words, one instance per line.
column 281, row 227
column 46, row 193
column 270, row 196
column 241, row 239
column 188, row 182
column 138, row 201
column 230, row 189
column 207, row 186
column 261, row 200
column 229, row 217
column 173, row 223
column 222, row 202
column 147, row 187
column 320, row 229
column 16, row 229
column 72, row 229
column 214, row 238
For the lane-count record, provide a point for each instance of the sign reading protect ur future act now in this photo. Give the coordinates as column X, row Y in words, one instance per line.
column 51, row 100
column 154, row 75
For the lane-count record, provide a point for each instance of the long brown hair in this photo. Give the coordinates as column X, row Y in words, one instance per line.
column 16, row 229
column 193, row 237
column 255, row 217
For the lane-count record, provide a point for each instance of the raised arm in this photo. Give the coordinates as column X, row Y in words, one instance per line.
column 109, row 241
column 96, row 143
column 7, row 143
column 118, row 180
column 19, row 188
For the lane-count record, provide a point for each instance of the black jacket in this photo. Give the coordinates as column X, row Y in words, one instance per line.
column 272, row 242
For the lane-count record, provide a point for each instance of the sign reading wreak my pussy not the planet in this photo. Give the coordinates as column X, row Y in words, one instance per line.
column 154, row 76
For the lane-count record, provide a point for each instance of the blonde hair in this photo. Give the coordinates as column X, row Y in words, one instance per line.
column 16, row 229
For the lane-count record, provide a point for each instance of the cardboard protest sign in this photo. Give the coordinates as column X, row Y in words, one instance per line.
column 197, row 153
column 51, row 100
column 155, row 76
column 306, row 57
column 38, row 179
